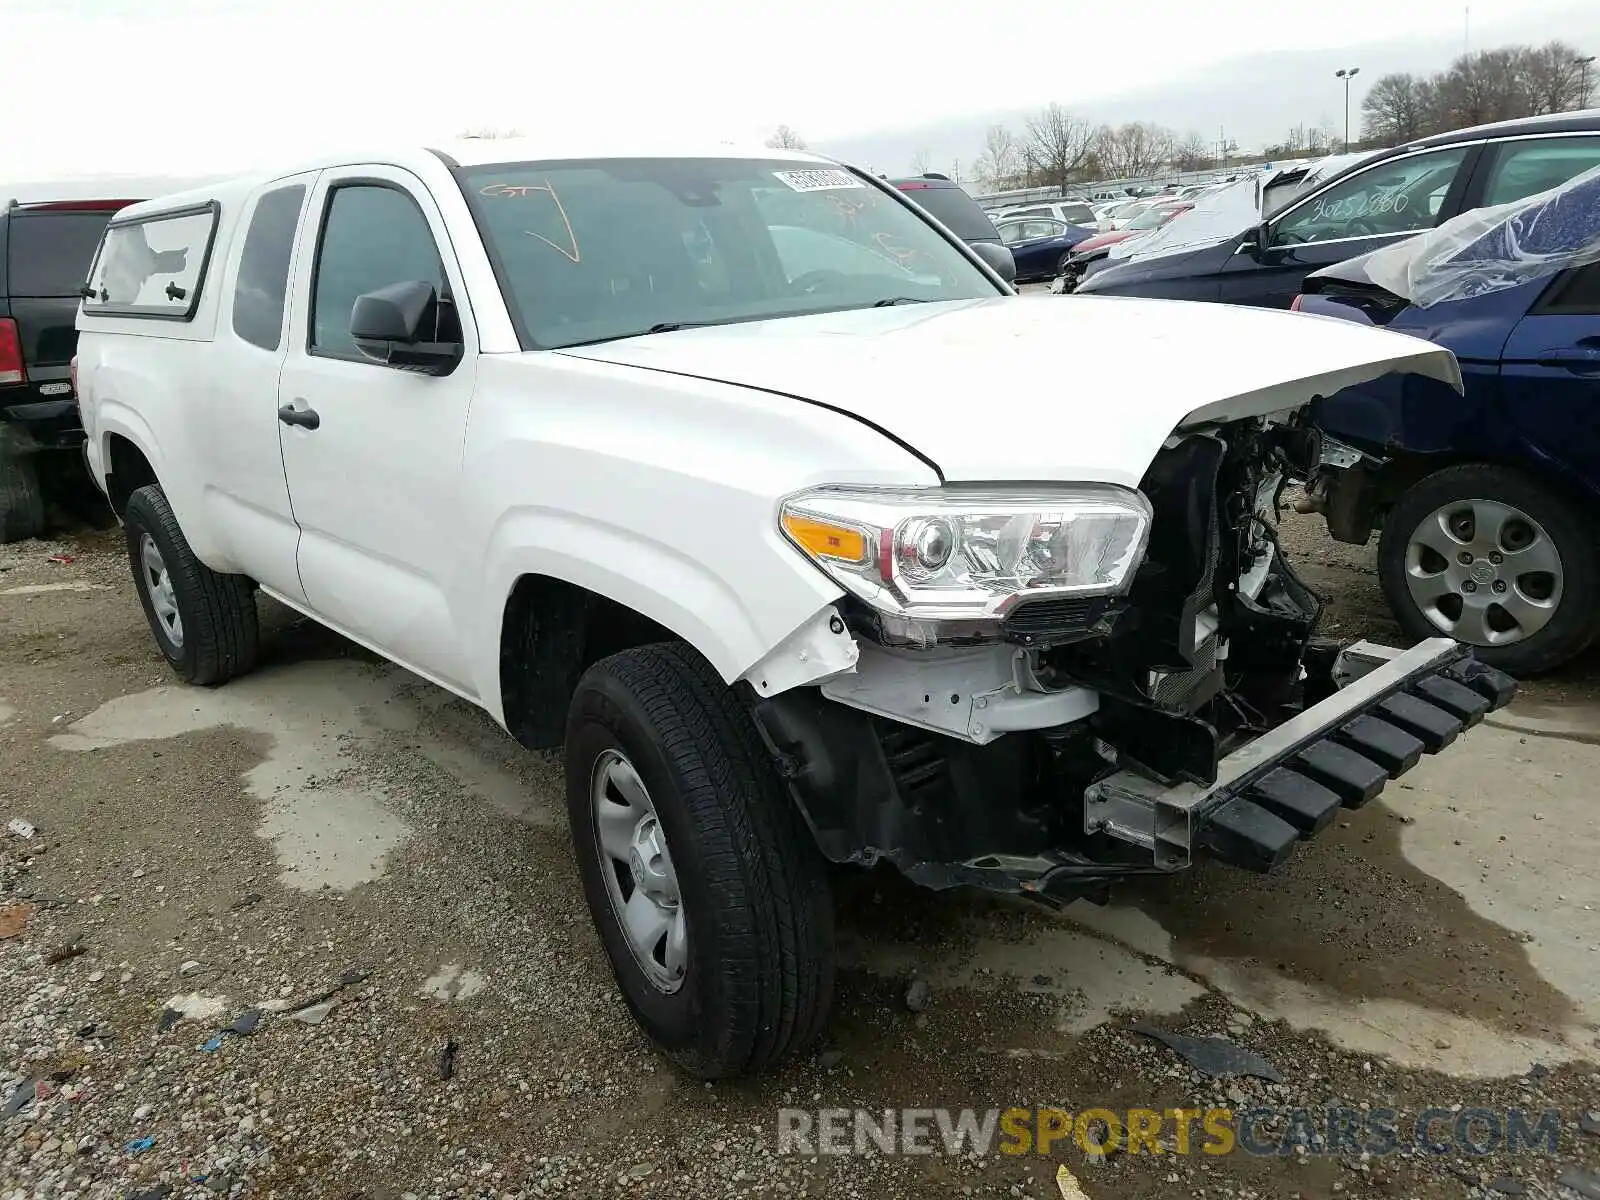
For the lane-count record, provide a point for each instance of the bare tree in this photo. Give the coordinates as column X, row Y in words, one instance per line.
column 1482, row 87
column 1192, row 153
column 489, row 133
column 1395, row 110
column 784, row 138
column 1057, row 145
column 1137, row 148
column 1554, row 78
column 920, row 163
column 1000, row 164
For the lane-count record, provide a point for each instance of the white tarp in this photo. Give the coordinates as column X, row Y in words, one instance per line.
column 1490, row 249
column 1215, row 217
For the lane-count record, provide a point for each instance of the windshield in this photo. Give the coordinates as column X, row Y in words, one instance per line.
column 591, row 250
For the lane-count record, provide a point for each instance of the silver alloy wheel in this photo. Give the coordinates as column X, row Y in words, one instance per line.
column 640, row 878
column 1483, row 572
column 158, row 583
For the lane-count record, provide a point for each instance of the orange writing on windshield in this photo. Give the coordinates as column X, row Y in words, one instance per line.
column 529, row 189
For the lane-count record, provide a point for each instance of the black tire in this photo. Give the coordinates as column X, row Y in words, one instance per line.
column 220, row 634
column 760, row 963
column 21, row 501
column 1575, row 624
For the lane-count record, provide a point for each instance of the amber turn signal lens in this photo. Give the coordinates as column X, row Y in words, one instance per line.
column 824, row 539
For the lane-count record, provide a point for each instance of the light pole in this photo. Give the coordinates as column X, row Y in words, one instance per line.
column 1583, row 65
column 1347, row 74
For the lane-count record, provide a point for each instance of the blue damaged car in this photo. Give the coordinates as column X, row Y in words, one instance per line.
column 1487, row 504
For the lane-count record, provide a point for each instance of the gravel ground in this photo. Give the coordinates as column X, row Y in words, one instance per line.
column 376, row 884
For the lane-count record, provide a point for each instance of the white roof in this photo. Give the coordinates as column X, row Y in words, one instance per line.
column 466, row 152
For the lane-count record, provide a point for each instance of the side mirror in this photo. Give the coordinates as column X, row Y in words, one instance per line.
column 399, row 326
column 1255, row 240
column 997, row 258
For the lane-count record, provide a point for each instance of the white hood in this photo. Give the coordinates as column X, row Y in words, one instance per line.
column 1082, row 389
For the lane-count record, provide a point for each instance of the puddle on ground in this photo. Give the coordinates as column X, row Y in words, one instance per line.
column 1093, row 978
column 329, row 823
column 1464, row 941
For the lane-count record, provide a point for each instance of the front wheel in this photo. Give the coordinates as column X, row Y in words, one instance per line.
column 1496, row 559
column 204, row 622
column 707, row 891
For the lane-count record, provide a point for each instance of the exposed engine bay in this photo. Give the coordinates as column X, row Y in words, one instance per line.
column 1113, row 735
column 1206, row 648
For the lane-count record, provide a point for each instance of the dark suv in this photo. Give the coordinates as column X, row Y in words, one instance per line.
column 45, row 252
column 947, row 202
column 1384, row 198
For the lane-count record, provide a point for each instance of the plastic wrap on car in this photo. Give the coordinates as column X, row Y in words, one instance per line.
column 1491, row 249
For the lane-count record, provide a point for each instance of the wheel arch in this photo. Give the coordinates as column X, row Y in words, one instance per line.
column 127, row 469
column 1406, row 469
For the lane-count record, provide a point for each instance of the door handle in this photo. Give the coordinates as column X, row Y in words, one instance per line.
column 306, row 418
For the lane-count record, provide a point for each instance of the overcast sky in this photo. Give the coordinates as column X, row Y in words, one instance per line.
column 158, row 86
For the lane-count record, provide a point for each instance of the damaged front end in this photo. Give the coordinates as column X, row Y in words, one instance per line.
column 1081, row 738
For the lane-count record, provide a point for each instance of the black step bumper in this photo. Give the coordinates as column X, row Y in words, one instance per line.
column 1288, row 784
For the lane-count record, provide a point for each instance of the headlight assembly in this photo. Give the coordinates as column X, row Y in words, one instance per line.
column 938, row 555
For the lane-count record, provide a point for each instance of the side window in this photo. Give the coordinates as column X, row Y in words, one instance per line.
column 153, row 266
column 1577, row 293
column 1526, row 168
column 1393, row 197
column 372, row 236
column 1029, row 230
column 258, row 293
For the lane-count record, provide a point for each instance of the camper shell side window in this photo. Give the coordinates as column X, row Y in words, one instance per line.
column 153, row 265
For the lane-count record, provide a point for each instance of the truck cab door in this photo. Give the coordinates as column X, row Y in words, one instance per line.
column 373, row 453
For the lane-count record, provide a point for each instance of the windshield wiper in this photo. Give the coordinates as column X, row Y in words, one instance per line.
column 659, row 327
column 674, row 326
column 893, row 300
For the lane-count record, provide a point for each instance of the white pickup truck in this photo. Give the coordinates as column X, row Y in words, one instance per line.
column 765, row 498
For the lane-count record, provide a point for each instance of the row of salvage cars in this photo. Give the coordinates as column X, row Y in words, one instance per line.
column 1485, row 241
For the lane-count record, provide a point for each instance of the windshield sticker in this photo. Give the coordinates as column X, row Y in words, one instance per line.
column 522, row 190
column 817, row 180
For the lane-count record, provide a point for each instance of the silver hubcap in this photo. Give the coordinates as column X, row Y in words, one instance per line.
column 638, row 870
column 158, row 583
column 1484, row 573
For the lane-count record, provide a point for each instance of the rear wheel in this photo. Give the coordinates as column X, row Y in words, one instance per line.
column 707, row 891
column 204, row 621
column 21, row 501
column 1495, row 559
